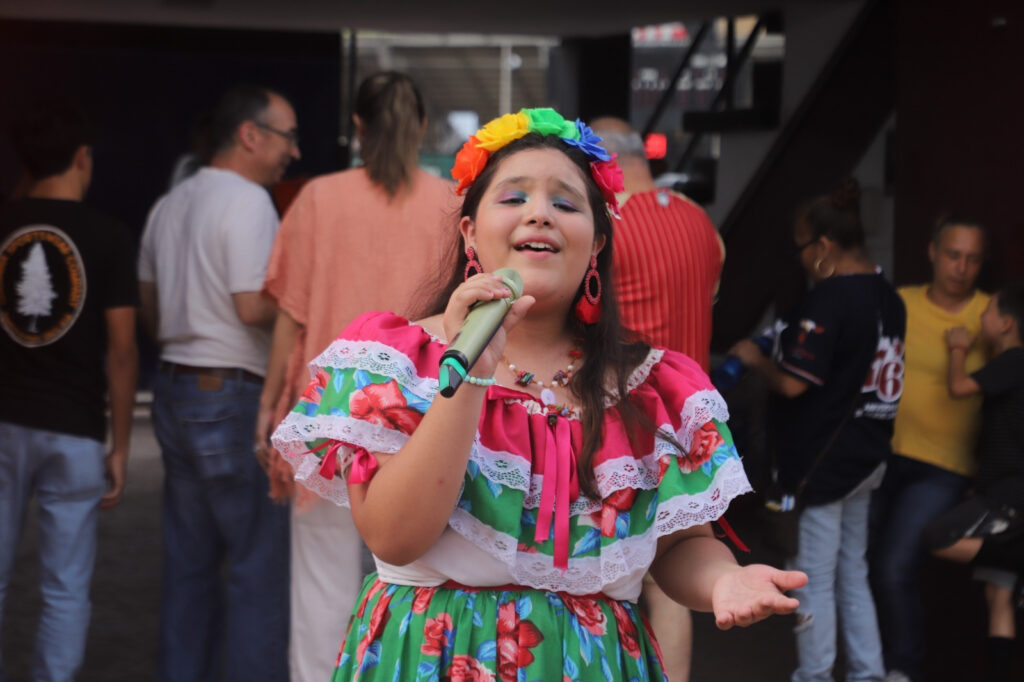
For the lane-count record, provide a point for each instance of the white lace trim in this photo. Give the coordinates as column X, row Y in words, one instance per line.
column 297, row 429
column 639, row 375
column 698, row 410
column 377, row 358
column 684, row 511
column 380, row 358
column 621, row 559
column 582, row 504
column 307, row 473
column 503, row 468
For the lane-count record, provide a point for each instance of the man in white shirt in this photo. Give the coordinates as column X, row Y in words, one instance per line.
column 201, row 266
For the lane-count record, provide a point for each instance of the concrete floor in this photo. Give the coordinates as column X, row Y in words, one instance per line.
column 125, row 594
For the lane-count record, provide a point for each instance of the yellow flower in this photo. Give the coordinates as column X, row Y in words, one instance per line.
column 501, row 131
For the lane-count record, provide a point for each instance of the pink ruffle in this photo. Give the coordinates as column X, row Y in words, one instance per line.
column 514, row 424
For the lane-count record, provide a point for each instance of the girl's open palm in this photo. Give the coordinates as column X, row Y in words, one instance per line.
column 752, row 593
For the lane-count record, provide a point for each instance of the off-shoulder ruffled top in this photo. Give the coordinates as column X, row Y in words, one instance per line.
column 520, row 518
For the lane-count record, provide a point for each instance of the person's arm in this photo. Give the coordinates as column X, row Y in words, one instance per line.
column 122, row 372
column 246, row 241
column 286, row 333
column 148, row 311
column 778, row 381
column 402, row 511
column 695, row 569
column 959, row 382
column 254, row 308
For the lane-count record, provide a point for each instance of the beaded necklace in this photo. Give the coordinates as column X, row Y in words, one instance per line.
column 561, row 377
column 554, row 409
column 547, row 396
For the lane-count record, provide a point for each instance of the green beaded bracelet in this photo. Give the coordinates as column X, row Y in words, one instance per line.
column 477, row 381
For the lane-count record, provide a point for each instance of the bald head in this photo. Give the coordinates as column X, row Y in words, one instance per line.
column 618, row 137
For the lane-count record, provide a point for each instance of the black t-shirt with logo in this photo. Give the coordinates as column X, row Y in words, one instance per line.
column 846, row 339
column 62, row 265
column 1001, row 446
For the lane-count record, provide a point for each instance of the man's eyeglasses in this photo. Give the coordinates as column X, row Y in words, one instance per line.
column 290, row 135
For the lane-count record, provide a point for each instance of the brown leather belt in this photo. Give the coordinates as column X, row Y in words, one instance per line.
column 172, row 368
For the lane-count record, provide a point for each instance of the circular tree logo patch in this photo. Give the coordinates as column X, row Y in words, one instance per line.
column 42, row 285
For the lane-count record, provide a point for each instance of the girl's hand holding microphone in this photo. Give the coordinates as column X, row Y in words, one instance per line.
column 480, row 289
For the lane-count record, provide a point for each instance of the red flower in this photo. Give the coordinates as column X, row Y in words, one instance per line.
column 608, row 176
column 620, row 500
column 422, row 599
column 435, row 638
column 515, row 639
column 385, row 405
column 629, row 638
column 376, row 587
column 705, row 441
column 587, row 612
column 468, row 669
column 470, row 160
column 609, row 516
column 315, row 389
column 378, row 619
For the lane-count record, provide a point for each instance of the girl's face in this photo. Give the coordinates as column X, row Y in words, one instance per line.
column 535, row 218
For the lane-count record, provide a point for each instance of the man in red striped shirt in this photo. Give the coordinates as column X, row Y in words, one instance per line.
column 668, row 254
column 668, row 257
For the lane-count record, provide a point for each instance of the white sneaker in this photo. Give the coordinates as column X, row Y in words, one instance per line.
column 895, row 676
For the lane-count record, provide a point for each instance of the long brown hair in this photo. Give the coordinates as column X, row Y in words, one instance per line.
column 608, row 349
column 391, row 110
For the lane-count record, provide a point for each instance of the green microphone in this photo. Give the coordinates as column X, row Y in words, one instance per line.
column 482, row 322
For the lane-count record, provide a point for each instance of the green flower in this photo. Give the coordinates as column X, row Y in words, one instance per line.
column 546, row 121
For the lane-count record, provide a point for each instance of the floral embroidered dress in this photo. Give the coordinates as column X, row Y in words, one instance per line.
column 531, row 580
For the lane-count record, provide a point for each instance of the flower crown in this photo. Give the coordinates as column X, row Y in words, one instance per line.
column 472, row 158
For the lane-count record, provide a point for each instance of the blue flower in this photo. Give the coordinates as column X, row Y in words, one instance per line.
column 588, row 142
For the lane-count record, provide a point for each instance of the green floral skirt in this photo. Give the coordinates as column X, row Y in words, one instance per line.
column 400, row 633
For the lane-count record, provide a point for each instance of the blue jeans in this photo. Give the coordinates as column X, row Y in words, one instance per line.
column 224, row 601
column 912, row 495
column 66, row 475
column 833, row 553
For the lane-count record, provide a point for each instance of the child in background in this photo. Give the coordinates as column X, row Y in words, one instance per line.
column 987, row 529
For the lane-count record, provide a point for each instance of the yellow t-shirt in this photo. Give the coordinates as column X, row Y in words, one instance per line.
column 930, row 425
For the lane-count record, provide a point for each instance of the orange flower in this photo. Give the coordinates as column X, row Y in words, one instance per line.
column 470, row 160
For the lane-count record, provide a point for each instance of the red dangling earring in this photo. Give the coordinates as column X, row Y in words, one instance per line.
column 588, row 307
column 471, row 264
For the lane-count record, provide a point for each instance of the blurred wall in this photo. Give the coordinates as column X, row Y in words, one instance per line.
column 146, row 87
column 959, row 138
